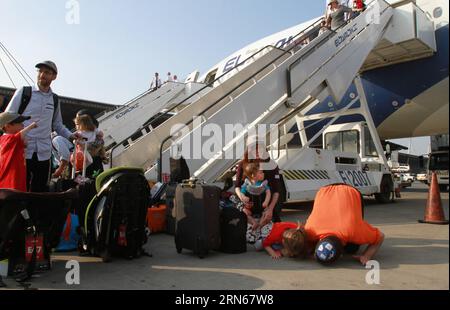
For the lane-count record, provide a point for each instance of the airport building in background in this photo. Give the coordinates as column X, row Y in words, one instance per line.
column 69, row 106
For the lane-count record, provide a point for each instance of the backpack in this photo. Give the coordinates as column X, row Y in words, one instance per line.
column 114, row 223
column 26, row 98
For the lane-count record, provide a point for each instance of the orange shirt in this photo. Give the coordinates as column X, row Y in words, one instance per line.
column 340, row 214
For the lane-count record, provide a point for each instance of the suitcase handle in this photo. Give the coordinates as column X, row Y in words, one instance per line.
column 192, row 183
column 188, row 185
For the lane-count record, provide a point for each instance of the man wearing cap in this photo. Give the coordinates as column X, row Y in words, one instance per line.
column 12, row 146
column 41, row 108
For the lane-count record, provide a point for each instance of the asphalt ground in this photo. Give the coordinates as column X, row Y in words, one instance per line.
column 413, row 257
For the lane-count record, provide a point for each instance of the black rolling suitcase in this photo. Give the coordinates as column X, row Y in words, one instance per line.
column 197, row 218
column 233, row 230
column 115, row 220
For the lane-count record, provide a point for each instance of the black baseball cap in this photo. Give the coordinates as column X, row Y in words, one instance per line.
column 49, row 64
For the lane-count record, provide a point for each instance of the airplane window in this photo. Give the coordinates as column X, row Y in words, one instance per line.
column 437, row 12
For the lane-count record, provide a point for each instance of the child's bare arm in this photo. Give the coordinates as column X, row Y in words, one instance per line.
column 267, row 200
column 241, row 196
column 274, row 254
column 24, row 131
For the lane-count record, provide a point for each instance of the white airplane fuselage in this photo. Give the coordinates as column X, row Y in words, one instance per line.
column 409, row 99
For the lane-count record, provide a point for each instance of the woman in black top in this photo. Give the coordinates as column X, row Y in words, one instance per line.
column 256, row 152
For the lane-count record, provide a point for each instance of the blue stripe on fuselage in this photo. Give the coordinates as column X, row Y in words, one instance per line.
column 398, row 82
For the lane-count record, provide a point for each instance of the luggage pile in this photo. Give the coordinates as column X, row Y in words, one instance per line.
column 199, row 218
column 105, row 218
column 113, row 216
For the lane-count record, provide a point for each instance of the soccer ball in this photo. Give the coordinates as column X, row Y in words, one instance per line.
column 328, row 251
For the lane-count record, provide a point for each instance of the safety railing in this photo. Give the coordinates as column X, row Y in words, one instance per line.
column 314, row 25
column 297, row 39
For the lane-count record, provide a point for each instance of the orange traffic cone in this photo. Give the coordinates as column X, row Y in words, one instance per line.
column 434, row 213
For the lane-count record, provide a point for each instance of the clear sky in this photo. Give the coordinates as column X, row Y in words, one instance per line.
column 112, row 53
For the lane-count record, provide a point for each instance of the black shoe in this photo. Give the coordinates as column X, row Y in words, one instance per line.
column 22, row 277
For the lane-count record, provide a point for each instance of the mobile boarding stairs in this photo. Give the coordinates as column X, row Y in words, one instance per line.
column 273, row 86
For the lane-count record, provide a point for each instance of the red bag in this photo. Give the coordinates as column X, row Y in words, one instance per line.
column 78, row 157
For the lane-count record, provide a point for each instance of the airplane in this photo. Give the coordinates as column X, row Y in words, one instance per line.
column 410, row 87
column 404, row 77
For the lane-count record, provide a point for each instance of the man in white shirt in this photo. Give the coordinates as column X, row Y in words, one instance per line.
column 175, row 79
column 169, row 77
column 156, row 82
column 43, row 110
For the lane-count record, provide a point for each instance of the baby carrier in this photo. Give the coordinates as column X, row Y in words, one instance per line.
column 114, row 223
column 257, row 195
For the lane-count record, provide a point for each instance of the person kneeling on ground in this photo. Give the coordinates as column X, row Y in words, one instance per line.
column 282, row 239
column 336, row 225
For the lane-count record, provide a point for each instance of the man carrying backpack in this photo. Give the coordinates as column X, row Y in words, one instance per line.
column 41, row 104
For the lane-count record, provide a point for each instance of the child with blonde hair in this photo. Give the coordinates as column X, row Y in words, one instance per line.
column 91, row 136
column 256, row 193
column 282, row 239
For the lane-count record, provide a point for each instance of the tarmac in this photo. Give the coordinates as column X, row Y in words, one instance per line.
column 413, row 257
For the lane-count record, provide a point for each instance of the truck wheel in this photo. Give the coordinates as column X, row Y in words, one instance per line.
column 385, row 191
